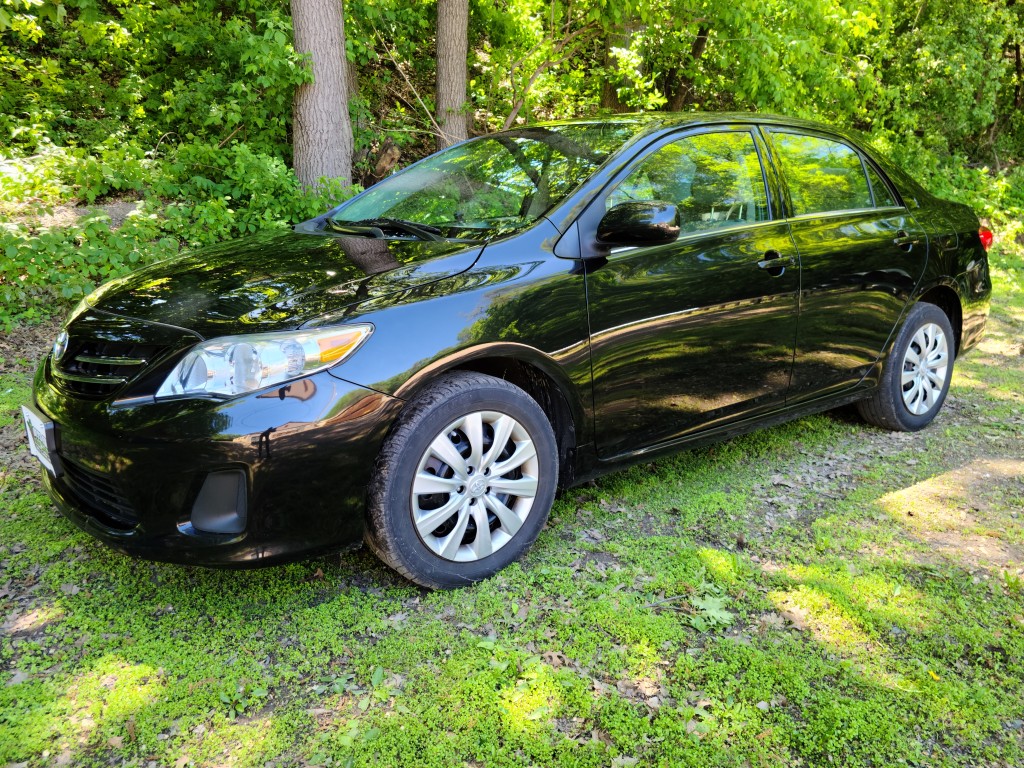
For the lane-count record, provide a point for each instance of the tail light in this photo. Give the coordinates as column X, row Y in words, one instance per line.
column 985, row 235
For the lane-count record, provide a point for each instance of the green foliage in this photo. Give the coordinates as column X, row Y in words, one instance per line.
column 191, row 70
column 946, row 74
column 217, row 193
column 637, row 631
column 242, row 698
column 66, row 263
column 186, row 106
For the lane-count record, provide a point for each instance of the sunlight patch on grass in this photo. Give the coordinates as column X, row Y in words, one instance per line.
column 994, row 383
column 1002, row 344
column 953, row 513
column 725, row 567
column 839, row 629
column 887, row 600
column 827, row 621
column 530, row 703
column 644, row 660
column 1011, row 312
column 109, row 695
column 33, row 620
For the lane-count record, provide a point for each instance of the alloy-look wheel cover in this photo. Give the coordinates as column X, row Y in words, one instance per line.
column 474, row 486
column 925, row 368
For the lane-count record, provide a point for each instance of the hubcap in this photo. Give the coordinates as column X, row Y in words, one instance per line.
column 925, row 367
column 474, row 486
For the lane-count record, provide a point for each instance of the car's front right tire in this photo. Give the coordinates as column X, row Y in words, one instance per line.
column 916, row 375
column 464, row 481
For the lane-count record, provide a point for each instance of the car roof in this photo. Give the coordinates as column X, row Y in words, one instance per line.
column 650, row 123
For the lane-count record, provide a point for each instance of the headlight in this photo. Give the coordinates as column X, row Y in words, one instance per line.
column 234, row 365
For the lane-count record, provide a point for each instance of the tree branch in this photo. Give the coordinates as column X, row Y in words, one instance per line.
column 581, row 37
column 408, row 82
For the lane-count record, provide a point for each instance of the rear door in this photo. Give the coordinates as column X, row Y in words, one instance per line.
column 698, row 332
column 861, row 254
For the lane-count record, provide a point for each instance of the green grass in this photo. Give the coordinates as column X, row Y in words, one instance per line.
column 821, row 593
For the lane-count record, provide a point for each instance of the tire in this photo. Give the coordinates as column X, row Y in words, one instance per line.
column 912, row 391
column 427, row 503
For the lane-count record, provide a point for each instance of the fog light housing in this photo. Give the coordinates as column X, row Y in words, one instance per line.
column 220, row 505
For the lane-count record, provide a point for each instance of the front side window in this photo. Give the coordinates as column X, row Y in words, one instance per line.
column 823, row 174
column 713, row 179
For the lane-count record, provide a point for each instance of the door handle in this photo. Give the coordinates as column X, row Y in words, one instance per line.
column 774, row 263
column 904, row 241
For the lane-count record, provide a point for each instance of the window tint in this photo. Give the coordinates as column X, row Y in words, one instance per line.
column 822, row 174
column 883, row 197
column 714, row 179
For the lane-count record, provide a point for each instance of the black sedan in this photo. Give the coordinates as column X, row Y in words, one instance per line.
column 424, row 365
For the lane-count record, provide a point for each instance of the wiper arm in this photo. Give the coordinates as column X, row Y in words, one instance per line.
column 346, row 228
column 376, row 227
column 422, row 231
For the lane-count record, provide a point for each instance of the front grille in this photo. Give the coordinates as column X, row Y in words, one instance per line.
column 95, row 368
column 99, row 496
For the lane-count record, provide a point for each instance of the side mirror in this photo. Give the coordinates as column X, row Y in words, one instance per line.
column 639, row 223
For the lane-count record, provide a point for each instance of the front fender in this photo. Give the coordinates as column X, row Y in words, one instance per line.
column 519, row 302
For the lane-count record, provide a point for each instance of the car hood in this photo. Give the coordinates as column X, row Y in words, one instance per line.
column 277, row 281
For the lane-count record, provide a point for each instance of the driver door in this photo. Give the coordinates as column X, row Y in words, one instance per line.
column 699, row 332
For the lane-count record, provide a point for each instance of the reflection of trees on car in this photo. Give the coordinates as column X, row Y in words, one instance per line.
column 823, row 175
column 714, row 179
column 493, row 183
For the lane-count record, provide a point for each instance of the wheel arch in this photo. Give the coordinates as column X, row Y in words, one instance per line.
column 534, row 372
column 945, row 297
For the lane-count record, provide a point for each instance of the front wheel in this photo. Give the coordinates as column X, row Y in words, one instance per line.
column 464, row 482
column 916, row 375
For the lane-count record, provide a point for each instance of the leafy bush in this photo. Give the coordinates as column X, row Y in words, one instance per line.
column 57, row 264
column 217, row 194
column 186, row 105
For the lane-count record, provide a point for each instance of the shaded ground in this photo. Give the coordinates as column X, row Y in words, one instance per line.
column 68, row 215
column 817, row 594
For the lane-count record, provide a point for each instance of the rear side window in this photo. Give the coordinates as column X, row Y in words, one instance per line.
column 714, row 179
column 822, row 174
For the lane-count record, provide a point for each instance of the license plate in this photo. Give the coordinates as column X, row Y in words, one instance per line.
column 42, row 440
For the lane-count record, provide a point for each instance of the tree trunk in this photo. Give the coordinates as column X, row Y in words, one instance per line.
column 452, row 50
column 680, row 89
column 322, row 131
column 370, row 255
column 609, row 87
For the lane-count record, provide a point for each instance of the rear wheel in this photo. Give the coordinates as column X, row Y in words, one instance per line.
column 916, row 376
column 464, row 483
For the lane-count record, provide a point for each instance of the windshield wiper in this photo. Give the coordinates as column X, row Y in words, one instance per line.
column 376, row 227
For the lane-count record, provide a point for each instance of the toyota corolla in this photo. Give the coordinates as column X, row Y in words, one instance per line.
column 424, row 365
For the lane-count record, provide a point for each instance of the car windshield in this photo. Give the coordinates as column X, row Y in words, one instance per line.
column 485, row 187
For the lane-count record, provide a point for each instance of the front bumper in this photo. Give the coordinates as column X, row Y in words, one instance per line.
column 305, row 453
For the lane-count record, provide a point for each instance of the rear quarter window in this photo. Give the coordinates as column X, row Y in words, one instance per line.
column 880, row 190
